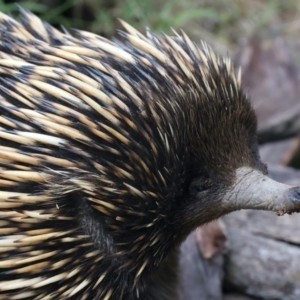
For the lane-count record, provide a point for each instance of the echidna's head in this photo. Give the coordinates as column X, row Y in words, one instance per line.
column 113, row 153
column 181, row 151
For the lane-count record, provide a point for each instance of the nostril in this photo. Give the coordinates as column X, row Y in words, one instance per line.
column 294, row 194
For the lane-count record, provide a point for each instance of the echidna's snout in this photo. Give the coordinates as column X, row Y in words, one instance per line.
column 254, row 190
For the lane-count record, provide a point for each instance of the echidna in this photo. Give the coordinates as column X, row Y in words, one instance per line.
column 111, row 153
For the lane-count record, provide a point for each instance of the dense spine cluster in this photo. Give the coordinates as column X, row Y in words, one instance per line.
column 93, row 129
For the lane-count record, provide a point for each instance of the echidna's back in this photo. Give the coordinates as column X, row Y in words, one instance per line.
column 66, row 115
column 90, row 134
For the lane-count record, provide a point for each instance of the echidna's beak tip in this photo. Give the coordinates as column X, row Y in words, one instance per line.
column 294, row 195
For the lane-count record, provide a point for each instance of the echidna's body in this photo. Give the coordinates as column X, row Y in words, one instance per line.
column 110, row 154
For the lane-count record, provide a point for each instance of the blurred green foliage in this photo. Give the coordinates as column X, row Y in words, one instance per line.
column 228, row 20
column 11, row 7
column 100, row 15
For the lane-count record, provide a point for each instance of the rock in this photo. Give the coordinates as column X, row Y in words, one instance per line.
column 201, row 263
column 263, row 259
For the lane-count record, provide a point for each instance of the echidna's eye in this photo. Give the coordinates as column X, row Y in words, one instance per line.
column 200, row 185
column 201, row 188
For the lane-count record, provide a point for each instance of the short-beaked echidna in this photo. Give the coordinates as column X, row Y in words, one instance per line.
column 111, row 153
